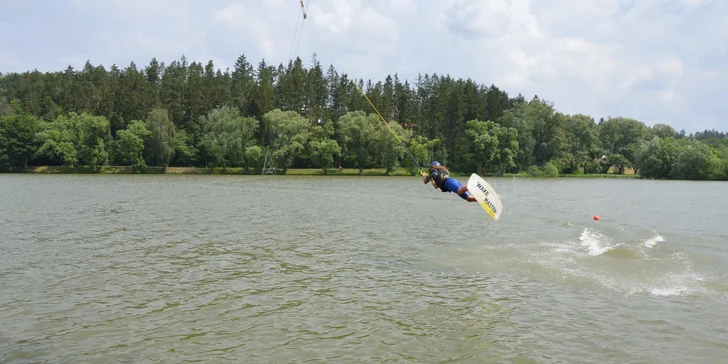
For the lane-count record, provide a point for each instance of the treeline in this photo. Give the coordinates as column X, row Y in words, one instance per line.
column 192, row 114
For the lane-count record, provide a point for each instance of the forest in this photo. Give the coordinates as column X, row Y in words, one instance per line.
column 186, row 114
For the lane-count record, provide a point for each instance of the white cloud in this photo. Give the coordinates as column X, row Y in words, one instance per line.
column 356, row 25
column 692, row 4
column 9, row 61
column 635, row 77
column 669, row 96
column 654, row 60
column 672, row 67
column 249, row 25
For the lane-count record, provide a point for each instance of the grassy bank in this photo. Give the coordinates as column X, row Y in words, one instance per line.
column 291, row 172
column 214, row 171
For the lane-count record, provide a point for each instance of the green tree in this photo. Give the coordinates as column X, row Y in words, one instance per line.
column 5, row 107
column 253, row 157
column 489, row 146
column 622, row 136
column 515, row 117
column 159, row 145
column 289, row 133
column 194, row 95
column 76, row 139
column 357, row 131
column 387, row 148
column 130, row 145
column 242, row 84
column 663, row 131
column 547, row 130
column 341, row 95
column 226, row 136
column 58, row 143
column 655, row 158
column 18, row 143
column 172, row 92
column 497, row 102
column 618, row 161
column 582, row 140
column 405, row 105
column 263, row 98
column 434, row 108
column 696, row 161
column 322, row 147
column 291, row 87
column 134, row 98
column 420, row 148
column 316, row 91
column 185, row 151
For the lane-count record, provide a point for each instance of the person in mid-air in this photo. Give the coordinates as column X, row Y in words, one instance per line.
column 441, row 179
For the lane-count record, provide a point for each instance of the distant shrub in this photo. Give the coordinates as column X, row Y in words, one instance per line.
column 534, row 171
column 550, row 170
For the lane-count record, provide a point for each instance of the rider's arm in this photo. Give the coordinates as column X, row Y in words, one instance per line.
column 427, row 178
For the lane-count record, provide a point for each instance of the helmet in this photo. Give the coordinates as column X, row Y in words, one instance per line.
column 434, row 164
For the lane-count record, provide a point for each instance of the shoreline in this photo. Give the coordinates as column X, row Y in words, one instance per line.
column 372, row 172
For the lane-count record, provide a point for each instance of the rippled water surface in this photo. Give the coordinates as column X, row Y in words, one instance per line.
column 280, row 269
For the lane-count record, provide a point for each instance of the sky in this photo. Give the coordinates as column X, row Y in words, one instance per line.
column 658, row 61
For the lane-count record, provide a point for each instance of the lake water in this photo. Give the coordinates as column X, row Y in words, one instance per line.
column 279, row 269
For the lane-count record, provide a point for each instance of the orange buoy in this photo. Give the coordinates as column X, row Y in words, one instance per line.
column 596, row 217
